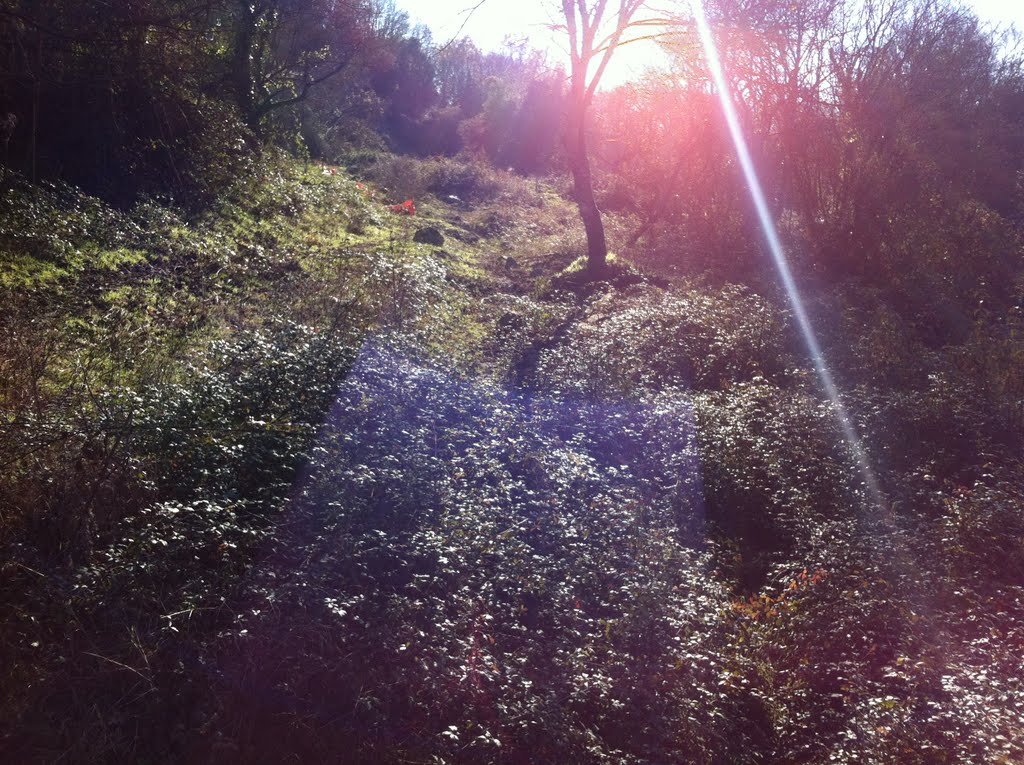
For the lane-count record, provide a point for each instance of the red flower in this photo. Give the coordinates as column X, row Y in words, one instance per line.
column 408, row 207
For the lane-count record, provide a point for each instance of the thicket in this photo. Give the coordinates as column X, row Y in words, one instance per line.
column 161, row 384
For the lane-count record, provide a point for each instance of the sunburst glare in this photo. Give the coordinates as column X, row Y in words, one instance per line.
column 778, row 254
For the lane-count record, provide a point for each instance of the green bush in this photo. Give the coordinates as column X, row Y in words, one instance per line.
column 648, row 339
column 475, row 588
column 236, row 421
column 472, row 180
column 399, row 177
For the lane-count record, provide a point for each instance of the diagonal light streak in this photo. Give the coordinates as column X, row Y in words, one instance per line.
column 779, row 256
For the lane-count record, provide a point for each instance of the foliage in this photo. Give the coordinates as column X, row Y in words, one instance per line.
column 472, row 181
column 649, row 339
column 484, row 590
column 279, row 482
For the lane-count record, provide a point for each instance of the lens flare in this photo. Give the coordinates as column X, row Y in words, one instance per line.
column 779, row 256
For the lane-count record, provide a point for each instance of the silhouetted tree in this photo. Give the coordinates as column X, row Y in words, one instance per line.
column 594, row 33
column 282, row 50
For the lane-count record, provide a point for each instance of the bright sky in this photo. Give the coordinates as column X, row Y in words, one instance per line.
column 1000, row 11
column 495, row 20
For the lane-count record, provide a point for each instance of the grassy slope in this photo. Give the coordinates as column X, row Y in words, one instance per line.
column 542, row 521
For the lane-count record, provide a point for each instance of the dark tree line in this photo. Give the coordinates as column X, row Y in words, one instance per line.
column 169, row 96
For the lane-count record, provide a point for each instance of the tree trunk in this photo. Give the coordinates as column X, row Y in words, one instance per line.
column 241, row 67
column 583, row 189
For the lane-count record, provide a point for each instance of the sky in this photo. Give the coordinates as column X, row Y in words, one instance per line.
column 1000, row 11
column 495, row 19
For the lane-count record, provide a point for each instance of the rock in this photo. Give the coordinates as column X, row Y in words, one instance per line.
column 428, row 235
column 511, row 322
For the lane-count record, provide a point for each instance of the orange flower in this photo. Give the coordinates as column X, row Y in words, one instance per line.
column 408, row 207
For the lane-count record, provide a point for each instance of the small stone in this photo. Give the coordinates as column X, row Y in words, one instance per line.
column 511, row 321
column 428, row 235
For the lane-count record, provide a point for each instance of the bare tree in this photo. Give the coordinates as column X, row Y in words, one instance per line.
column 595, row 32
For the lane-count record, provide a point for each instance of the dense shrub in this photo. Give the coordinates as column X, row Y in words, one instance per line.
column 473, row 585
column 651, row 339
column 239, row 416
column 471, row 180
column 153, row 412
column 56, row 231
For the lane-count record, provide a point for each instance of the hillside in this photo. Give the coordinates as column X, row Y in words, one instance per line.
column 373, row 398
column 282, row 483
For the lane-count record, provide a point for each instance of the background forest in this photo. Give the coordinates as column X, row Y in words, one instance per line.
column 321, row 442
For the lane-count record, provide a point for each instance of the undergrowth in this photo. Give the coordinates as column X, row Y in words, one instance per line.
column 280, row 482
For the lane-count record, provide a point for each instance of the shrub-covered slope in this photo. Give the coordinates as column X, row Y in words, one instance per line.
column 281, row 483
